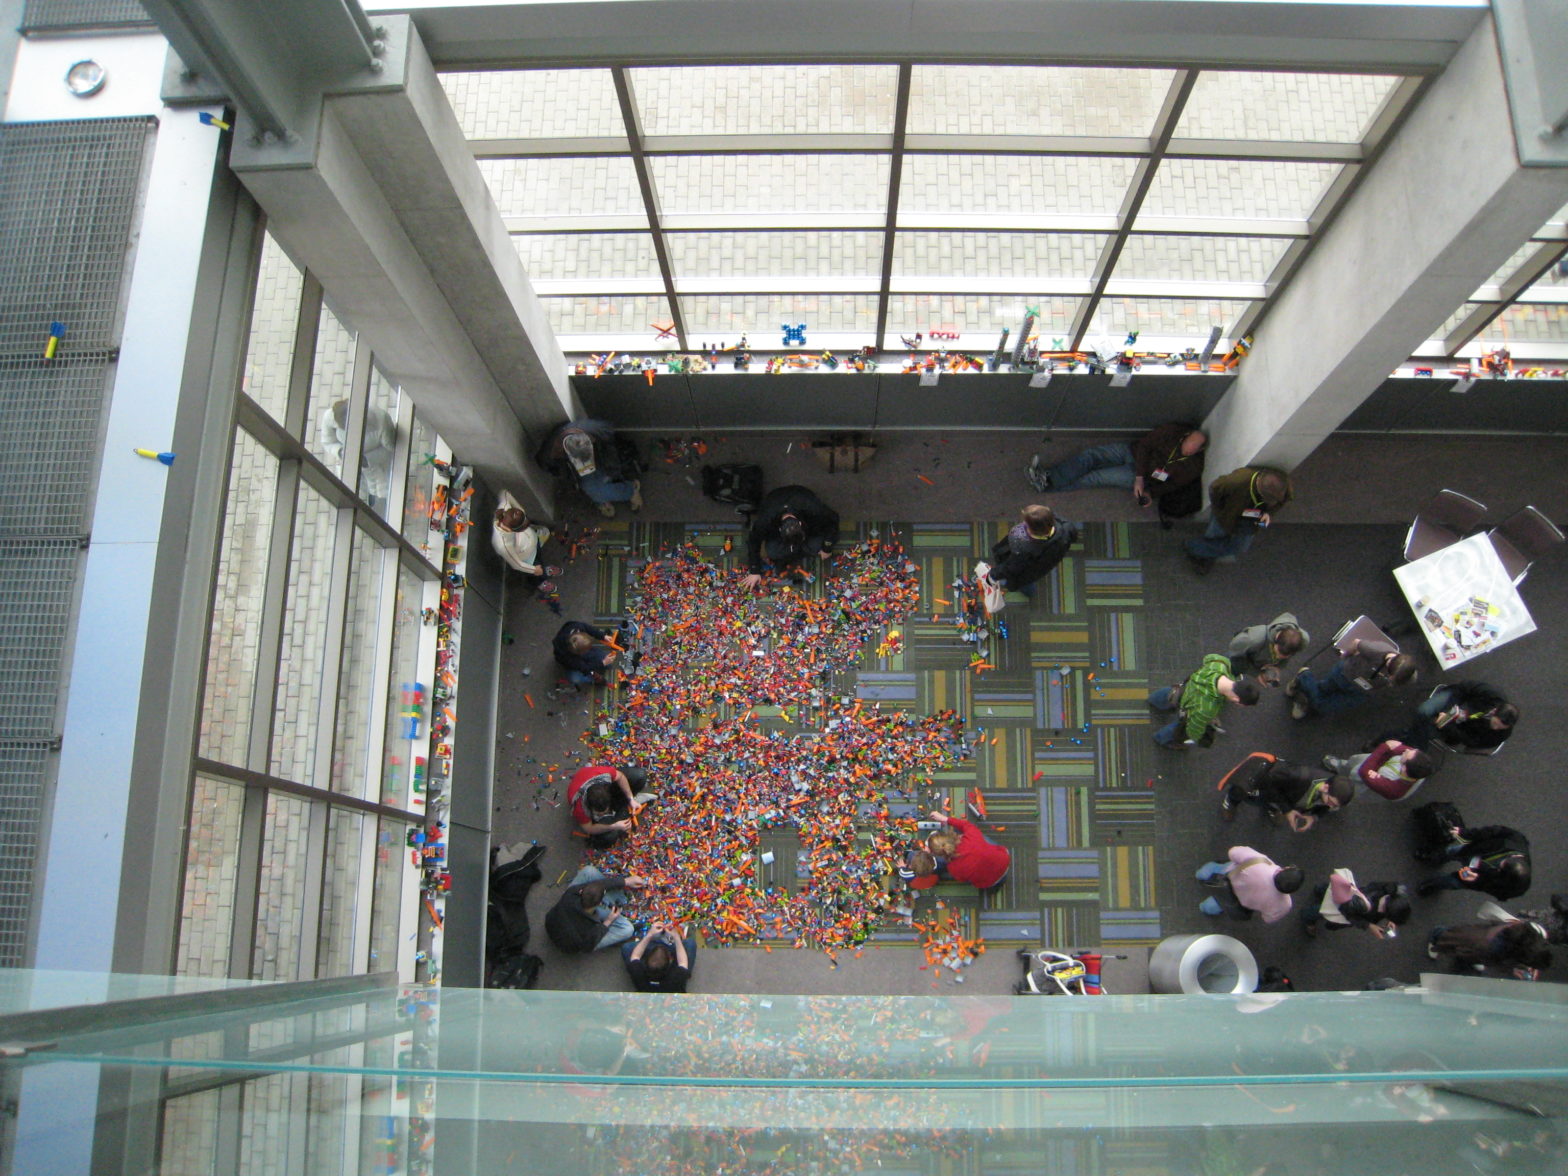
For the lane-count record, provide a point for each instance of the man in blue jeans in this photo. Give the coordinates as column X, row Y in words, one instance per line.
column 587, row 916
column 1242, row 502
column 1163, row 460
column 1366, row 666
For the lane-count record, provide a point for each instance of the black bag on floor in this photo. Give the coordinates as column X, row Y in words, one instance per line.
column 629, row 457
column 738, row 484
column 508, row 964
column 1434, row 822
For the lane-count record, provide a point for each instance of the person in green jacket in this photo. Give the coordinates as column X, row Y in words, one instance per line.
column 1241, row 503
column 1198, row 702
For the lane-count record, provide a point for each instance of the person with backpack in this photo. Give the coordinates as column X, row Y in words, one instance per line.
column 1493, row 859
column 1292, row 793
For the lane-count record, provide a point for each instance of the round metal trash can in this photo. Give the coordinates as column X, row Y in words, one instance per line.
column 1202, row 963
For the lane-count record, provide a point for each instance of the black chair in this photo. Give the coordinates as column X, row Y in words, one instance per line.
column 1448, row 748
column 1522, row 538
column 1447, row 519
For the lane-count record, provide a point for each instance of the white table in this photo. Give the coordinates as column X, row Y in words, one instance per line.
column 1464, row 600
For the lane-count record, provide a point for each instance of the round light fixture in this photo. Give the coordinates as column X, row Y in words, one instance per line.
column 85, row 78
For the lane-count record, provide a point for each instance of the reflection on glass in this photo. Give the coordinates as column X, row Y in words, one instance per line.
column 1147, row 257
column 396, row 768
column 339, row 893
column 230, row 685
column 780, row 184
column 983, row 315
column 419, row 486
column 1313, row 108
column 766, row 99
column 379, row 447
column 1256, row 189
column 332, row 1144
column 1014, row 184
column 535, row 103
column 1035, row 100
column 211, row 861
column 1537, row 322
column 601, row 186
column 302, row 666
column 331, row 380
column 358, row 701
column 190, row 1134
column 1042, row 256
column 266, row 1124
column 586, row 256
column 386, row 894
column 1190, row 317
column 760, row 315
column 280, row 889
column 273, row 322
column 772, row 255
column 609, row 314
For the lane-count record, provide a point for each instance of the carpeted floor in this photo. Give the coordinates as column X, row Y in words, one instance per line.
column 1105, row 828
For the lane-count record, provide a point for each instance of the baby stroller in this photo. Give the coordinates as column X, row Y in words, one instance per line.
column 1054, row 973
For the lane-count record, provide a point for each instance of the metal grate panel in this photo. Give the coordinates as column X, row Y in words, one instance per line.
column 24, row 772
column 50, row 418
column 52, row 16
column 68, row 195
column 37, row 596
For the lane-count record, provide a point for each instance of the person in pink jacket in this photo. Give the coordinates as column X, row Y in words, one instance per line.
column 1249, row 883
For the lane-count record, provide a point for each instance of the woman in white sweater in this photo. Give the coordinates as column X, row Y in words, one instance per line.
column 515, row 541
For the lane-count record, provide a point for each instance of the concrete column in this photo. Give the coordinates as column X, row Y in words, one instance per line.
column 1441, row 211
column 381, row 199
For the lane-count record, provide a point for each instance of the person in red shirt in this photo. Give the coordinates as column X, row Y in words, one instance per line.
column 605, row 799
column 960, row 852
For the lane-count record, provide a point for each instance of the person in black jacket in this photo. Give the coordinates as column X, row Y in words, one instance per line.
column 1031, row 549
column 661, row 960
column 583, row 651
column 1379, row 907
column 587, row 915
column 1467, row 714
column 1493, row 859
column 1293, row 793
column 791, row 523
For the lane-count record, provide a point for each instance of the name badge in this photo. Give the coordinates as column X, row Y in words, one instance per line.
column 1160, row 475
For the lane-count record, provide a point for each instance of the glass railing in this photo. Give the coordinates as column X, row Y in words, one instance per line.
column 360, row 1075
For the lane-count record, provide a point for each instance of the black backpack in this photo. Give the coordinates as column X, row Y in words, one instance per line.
column 738, row 484
column 508, row 964
column 1432, row 822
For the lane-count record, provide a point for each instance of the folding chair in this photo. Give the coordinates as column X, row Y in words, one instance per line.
column 1446, row 519
column 1522, row 538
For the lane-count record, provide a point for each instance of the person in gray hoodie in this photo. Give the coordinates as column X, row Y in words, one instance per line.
column 1265, row 649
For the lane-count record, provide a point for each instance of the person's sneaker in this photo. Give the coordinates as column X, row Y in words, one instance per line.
column 1336, row 765
column 552, row 572
column 1200, row 565
column 1227, row 810
column 1038, row 478
column 636, row 500
column 1293, row 687
column 546, row 586
column 1298, row 708
column 1431, row 950
column 607, row 509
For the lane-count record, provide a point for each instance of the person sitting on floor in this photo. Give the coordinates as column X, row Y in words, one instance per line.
column 1518, row 945
column 1291, row 793
column 958, row 852
column 587, row 916
column 661, row 960
column 605, row 801
column 584, row 652
column 590, row 453
column 1392, row 769
column 1165, row 460
column 1365, row 666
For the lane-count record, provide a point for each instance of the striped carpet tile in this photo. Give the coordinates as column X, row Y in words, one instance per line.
column 1123, row 818
column 1064, row 817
